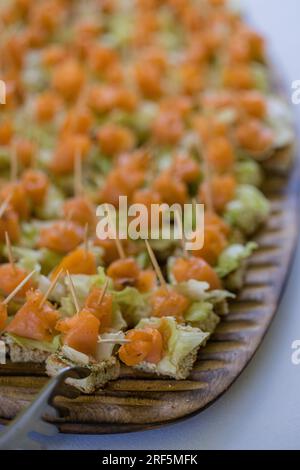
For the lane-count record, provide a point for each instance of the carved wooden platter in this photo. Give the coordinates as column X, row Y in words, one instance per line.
column 137, row 401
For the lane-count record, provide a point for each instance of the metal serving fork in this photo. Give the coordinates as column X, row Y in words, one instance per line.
column 18, row 434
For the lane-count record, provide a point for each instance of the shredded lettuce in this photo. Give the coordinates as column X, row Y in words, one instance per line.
column 49, row 260
column 182, row 341
column 118, row 322
column 57, row 293
column 193, row 290
column 4, row 158
column 261, row 77
column 198, row 292
column 234, row 281
column 133, row 305
column 52, row 205
column 201, row 315
column 27, row 259
column 249, row 210
column 41, row 260
column 29, row 234
column 198, row 311
column 82, row 284
column 233, row 256
column 34, row 344
column 249, row 172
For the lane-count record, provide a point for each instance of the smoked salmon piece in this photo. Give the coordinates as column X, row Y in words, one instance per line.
column 18, row 198
column 69, row 147
column 146, row 281
column 223, row 189
column 9, row 222
column 103, row 310
column 124, row 272
column 166, row 302
column 36, row 185
column 145, row 345
column 214, row 243
column 62, row 236
column 80, row 332
column 185, row 269
column 78, row 261
column 254, row 136
column 3, row 315
column 10, row 277
column 34, row 321
column 80, row 210
column 68, row 79
column 220, row 155
column 170, row 189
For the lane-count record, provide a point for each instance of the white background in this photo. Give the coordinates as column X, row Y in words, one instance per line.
column 262, row 409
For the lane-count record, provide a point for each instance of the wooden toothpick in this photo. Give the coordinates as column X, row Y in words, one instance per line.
column 156, row 266
column 114, row 341
column 18, row 288
column 103, row 292
column 50, row 288
column 9, row 251
column 73, row 293
column 207, row 180
column 117, row 240
column 182, row 240
column 86, row 238
column 5, row 205
column 120, row 248
column 78, row 190
column 13, row 164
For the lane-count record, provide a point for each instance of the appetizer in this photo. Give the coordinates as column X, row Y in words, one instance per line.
column 164, row 102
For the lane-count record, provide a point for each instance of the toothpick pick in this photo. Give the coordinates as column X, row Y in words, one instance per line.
column 50, row 288
column 103, row 292
column 73, row 293
column 9, row 251
column 69, row 216
column 78, row 190
column 182, row 240
column 18, row 288
column 207, row 180
column 120, row 248
column 156, row 266
column 114, row 341
column 117, row 240
column 13, row 164
column 86, row 238
column 5, row 205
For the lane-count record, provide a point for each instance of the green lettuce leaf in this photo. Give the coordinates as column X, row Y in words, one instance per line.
column 82, row 284
column 133, row 305
column 34, row 344
column 248, row 210
column 201, row 315
column 233, row 257
column 52, row 206
column 43, row 260
column 182, row 341
column 249, row 172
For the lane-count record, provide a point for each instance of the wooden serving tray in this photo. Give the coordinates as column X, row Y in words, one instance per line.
column 137, row 401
